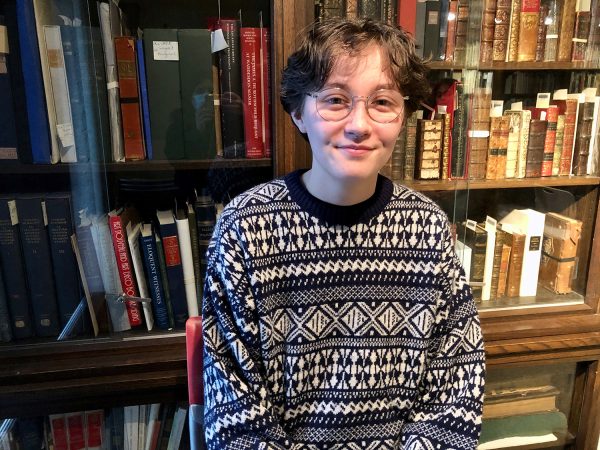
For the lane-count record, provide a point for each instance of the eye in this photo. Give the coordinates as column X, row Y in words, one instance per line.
column 335, row 99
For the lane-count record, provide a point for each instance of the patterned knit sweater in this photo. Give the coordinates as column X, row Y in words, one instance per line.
column 330, row 327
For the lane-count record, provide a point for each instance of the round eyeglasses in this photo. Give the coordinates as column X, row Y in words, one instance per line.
column 335, row 104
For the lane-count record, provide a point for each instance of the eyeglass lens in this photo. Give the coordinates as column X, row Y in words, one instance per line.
column 383, row 106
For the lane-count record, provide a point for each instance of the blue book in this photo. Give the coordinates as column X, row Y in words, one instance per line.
column 174, row 267
column 38, row 265
column 13, row 271
column 144, row 96
column 35, row 100
column 152, row 269
column 66, row 277
column 5, row 331
column 8, row 131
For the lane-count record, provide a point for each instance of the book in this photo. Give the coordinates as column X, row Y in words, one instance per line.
column 152, row 426
column 133, row 236
column 488, row 269
column 193, row 225
column 552, row 30
column 265, row 81
column 429, row 148
column 464, row 254
column 8, row 130
column 139, row 53
column 110, row 27
column 38, row 123
column 232, row 115
column 530, row 223
column 583, row 134
column 451, row 30
column 5, row 320
column 152, row 271
column 459, row 160
column 131, row 416
column 66, row 277
column 407, row 12
column 475, row 237
column 558, row 144
column 460, row 38
column 94, row 429
column 177, row 428
column 38, row 264
column 567, row 106
column 76, row 430
column 89, row 272
column 541, row 33
column 58, row 427
column 550, row 140
column 197, row 99
column 118, row 220
column 486, row 45
column 528, row 30
column 102, row 240
column 501, row 30
column 129, row 98
column 187, row 262
column 529, row 428
column 174, row 268
column 566, row 30
column 520, row 401
column 498, row 145
column 479, row 132
column 535, row 148
column 583, row 18
column 431, row 30
column 13, row 270
column 252, row 97
column 512, row 48
column 559, row 252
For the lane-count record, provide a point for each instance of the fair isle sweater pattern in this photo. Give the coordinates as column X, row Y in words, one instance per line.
column 330, row 327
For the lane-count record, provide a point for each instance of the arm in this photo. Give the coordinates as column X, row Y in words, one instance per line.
column 448, row 411
column 238, row 411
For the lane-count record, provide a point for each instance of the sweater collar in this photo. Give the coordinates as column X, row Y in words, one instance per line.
column 335, row 214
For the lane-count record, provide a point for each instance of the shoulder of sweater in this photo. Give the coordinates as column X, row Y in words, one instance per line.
column 249, row 201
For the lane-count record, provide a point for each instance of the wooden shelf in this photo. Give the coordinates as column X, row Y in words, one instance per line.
column 48, row 377
column 131, row 166
column 511, row 66
column 453, row 185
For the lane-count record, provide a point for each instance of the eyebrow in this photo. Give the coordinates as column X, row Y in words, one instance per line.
column 345, row 86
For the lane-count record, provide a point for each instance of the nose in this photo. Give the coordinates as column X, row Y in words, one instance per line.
column 358, row 123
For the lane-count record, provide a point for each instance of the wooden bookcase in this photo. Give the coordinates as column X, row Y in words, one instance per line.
column 48, row 377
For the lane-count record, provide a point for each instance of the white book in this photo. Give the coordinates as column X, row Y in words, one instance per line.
column 177, row 428
column 109, row 272
column 530, row 223
column 151, row 424
column 592, row 165
column 518, row 441
column 464, row 253
column 60, row 93
column 131, row 427
column 142, row 418
column 490, row 227
column 187, row 262
column 110, row 27
column 580, row 100
column 133, row 235
column 43, row 14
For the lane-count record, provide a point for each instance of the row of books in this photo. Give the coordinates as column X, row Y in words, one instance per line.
column 556, row 137
column 139, row 427
column 49, row 260
column 510, row 30
column 82, row 88
column 509, row 257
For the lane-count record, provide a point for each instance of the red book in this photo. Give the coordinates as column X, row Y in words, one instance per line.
column 568, row 107
column 94, row 421
column 76, row 431
column 250, row 46
column 117, row 221
column 266, row 91
column 129, row 98
column 407, row 15
column 552, row 118
column 451, row 33
column 58, row 426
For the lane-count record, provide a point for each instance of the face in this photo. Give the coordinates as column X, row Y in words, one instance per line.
column 356, row 148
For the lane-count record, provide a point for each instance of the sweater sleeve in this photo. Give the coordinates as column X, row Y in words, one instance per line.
column 238, row 413
column 448, row 411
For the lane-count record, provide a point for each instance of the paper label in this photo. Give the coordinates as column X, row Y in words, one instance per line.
column 44, row 214
column 165, row 50
column 12, row 211
column 217, row 41
column 65, row 134
column 3, row 39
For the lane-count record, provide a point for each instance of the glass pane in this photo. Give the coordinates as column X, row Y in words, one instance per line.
column 527, row 405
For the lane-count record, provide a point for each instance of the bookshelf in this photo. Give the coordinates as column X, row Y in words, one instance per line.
column 39, row 377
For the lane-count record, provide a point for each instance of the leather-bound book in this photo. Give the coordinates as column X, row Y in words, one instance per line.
column 583, row 19
column 487, row 31
column 549, row 142
column 583, row 136
column 474, row 236
column 501, row 30
column 535, row 150
column 462, row 21
column 541, row 33
column 528, row 30
column 502, row 241
column 411, row 145
column 451, row 31
column 512, row 47
column 552, row 30
column 479, row 132
column 558, row 144
column 496, row 163
column 429, row 148
column 515, row 264
column 568, row 107
column 567, row 27
column 503, row 270
column 129, row 98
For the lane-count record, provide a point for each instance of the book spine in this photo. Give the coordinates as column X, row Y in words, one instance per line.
column 459, row 142
column 94, row 427
column 38, row 265
column 541, row 34
column 162, row 267
column 524, row 144
column 174, row 268
column 502, row 147
column 452, row 23
column 513, row 141
column 125, row 269
column 58, row 428
column 535, row 150
column 515, row 265
column 558, row 144
column 432, row 29
column 567, row 27
column 66, row 278
column 5, row 328
column 37, row 114
column 549, row 142
column 501, row 30
column 133, row 234
column 139, row 43
column 76, row 430
column 445, row 164
column 552, row 30
column 133, row 139
column 266, row 91
column 566, row 155
column 187, row 264
column 232, row 115
column 583, row 19
column 460, row 41
column 512, row 49
column 193, row 224
column 411, row 145
column 486, row 49
column 583, row 137
column 250, row 42
column 155, row 284
column 528, row 30
column 429, row 144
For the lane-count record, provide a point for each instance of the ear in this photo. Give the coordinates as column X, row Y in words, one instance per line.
column 297, row 118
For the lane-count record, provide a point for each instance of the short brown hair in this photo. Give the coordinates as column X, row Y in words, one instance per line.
column 309, row 67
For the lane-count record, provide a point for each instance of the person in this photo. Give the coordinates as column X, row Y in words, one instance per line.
column 336, row 314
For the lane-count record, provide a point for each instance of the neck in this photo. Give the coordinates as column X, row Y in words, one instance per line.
column 345, row 193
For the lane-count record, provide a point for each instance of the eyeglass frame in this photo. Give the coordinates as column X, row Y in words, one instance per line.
column 360, row 97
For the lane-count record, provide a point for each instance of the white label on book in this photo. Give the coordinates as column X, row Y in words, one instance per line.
column 12, row 210
column 479, row 133
column 217, row 41
column 542, row 100
column 112, row 85
column 3, row 39
column 65, row 134
column 44, row 213
column 165, row 50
